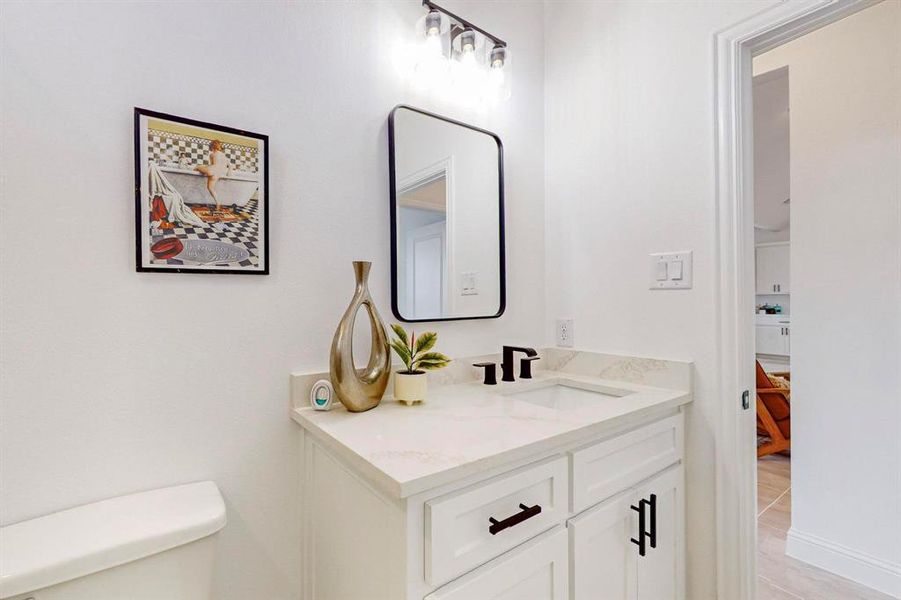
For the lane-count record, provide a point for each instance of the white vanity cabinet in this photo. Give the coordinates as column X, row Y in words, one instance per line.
column 630, row 546
column 537, row 570
column 554, row 523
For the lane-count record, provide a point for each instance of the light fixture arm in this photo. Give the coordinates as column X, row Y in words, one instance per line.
column 466, row 24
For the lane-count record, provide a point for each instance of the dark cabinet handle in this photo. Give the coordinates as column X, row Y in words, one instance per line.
column 643, row 533
column 527, row 513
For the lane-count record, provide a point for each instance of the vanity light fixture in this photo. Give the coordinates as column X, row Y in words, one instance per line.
column 475, row 62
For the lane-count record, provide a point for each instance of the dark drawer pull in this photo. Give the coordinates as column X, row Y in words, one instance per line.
column 527, row 513
column 642, row 532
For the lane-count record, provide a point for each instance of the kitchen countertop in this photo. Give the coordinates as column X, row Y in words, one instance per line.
column 468, row 427
column 762, row 319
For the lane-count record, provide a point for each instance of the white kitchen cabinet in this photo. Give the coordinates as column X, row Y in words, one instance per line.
column 631, row 547
column 774, row 339
column 773, row 268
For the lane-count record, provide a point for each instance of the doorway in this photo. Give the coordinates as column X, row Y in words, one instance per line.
column 737, row 466
column 424, row 218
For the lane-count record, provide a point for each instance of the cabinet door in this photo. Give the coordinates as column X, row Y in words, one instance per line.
column 764, row 277
column 602, row 557
column 770, row 339
column 536, row 570
column 660, row 572
column 773, row 269
column 781, row 269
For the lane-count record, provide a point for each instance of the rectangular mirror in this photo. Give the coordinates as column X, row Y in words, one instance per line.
column 447, row 218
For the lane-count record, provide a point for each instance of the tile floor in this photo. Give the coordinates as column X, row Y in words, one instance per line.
column 780, row 577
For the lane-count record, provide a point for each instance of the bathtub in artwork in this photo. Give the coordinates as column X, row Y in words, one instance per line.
column 237, row 188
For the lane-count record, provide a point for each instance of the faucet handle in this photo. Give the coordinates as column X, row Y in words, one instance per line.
column 490, row 372
column 525, row 366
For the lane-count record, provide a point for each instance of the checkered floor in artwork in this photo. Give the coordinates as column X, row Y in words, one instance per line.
column 245, row 234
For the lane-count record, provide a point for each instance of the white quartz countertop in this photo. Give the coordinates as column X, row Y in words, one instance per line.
column 466, row 428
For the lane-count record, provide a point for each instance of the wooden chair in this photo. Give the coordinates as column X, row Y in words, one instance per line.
column 773, row 414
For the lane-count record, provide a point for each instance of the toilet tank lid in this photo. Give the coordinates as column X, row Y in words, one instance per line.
column 79, row 541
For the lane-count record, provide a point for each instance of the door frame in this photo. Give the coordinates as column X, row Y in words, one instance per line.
column 736, row 473
column 441, row 168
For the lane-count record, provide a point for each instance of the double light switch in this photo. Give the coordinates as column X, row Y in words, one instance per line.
column 671, row 271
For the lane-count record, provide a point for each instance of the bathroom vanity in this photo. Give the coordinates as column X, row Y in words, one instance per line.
column 567, row 485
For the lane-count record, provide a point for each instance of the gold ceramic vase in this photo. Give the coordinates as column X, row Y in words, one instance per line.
column 360, row 389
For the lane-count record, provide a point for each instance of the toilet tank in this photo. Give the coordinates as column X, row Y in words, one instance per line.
column 148, row 546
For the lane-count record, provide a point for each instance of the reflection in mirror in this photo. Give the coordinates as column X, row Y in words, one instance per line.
column 447, row 211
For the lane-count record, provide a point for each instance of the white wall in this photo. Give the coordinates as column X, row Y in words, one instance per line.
column 630, row 155
column 846, row 288
column 113, row 381
column 772, row 186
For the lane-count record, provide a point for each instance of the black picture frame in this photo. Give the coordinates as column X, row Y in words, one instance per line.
column 392, row 176
column 141, row 181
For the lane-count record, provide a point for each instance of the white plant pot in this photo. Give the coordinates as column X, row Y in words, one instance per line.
column 410, row 388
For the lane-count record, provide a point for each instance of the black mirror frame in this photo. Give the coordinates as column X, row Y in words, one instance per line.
column 502, row 270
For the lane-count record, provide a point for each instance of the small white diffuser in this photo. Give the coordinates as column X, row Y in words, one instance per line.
column 321, row 395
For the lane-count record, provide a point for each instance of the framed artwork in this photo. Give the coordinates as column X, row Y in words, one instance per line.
column 201, row 197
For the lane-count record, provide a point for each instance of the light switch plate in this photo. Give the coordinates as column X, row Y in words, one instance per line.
column 468, row 284
column 677, row 268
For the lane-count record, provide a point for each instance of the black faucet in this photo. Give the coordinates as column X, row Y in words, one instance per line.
column 507, row 364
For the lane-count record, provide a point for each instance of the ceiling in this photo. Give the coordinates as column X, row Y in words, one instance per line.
column 430, row 196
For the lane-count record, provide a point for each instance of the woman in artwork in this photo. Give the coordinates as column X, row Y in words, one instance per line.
column 217, row 168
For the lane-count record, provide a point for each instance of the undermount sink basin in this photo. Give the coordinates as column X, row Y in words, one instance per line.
column 565, row 395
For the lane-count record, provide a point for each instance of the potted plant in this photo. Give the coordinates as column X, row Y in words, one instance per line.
column 410, row 384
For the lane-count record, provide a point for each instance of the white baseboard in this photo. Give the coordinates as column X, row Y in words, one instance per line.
column 861, row 568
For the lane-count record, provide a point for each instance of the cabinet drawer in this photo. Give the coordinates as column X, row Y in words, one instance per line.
column 537, row 570
column 611, row 466
column 515, row 506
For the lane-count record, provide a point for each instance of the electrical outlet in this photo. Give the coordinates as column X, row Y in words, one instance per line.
column 565, row 333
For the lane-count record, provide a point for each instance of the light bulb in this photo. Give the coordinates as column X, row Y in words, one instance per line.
column 498, row 87
column 467, row 41
column 431, row 68
column 498, row 56
column 433, row 24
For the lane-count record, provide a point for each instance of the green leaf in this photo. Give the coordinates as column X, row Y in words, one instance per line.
column 401, row 333
column 403, row 352
column 430, row 361
column 426, row 341
column 433, row 357
column 431, row 366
